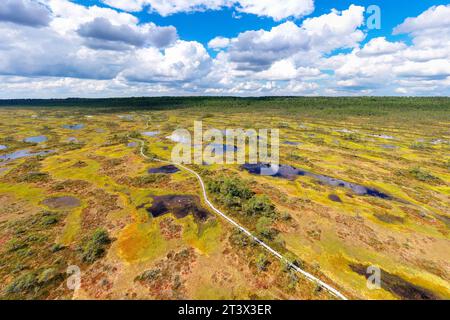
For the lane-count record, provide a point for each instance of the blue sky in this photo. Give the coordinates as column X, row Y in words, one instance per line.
column 96, row 48
column 204, row 26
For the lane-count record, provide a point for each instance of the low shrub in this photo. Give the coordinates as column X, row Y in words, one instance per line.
column 262, row 262
column 34, row 177
column 95, row 247
column 23, row 284
column 259, row 205
column 423, row 175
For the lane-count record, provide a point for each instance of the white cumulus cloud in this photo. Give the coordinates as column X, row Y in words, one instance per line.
column 184, row 61
column 274, row 9
column 219, row 43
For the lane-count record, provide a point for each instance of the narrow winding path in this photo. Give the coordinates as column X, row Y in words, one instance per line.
column 278, row 255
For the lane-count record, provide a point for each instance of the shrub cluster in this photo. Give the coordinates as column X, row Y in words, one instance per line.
column 95, row 247
column 235, row 195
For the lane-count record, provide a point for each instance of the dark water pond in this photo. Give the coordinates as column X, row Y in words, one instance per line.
column 290, row 172
column 74, row 126
column 65, row 202
column 36, row 139
column 22, row 154
column 397, row 285
column 164, row 169
column 334, row 197
column 180, row 205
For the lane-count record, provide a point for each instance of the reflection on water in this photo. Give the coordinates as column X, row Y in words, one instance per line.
column 179, row 205
column 22, row 154
column 169, row 169
column 126, row 117
column 73, row 126
column 388, row 146
column 36, row 139
column 289, row 172
column 382, row 136
column 397, row 285
column 65, row 202
column 439, row 141
column 150, row 133
column 2, row 147
column 344, row 131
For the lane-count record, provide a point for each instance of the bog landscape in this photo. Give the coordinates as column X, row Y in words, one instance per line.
column 363, row 182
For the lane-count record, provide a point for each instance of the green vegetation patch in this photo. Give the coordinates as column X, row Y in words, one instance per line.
column 96, row 247
column 424, row 176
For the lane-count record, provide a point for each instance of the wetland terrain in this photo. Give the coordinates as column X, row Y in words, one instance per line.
column 362, row 182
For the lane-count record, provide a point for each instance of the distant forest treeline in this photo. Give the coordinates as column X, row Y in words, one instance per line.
column 361, row 106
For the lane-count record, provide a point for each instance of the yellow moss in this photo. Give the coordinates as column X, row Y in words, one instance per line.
column 114, row 151
column 23, row 191
column 72, row 227
column 207, row 291
column 334, row 257
column 205, row 237
column 141, row 242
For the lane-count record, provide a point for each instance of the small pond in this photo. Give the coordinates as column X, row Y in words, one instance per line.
column 170, row 169
column 36, row 139
column 23, row 154
column 126, row 117
column 73, row 126
column 397, row 285
column 344, row 131
column 389, row 146
column 65, row 202
column 2, row 147
column 150, row 133
column 291, row 143
column 290, row 172
column 439, row 141
column 180, row 205
column 382, row 136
